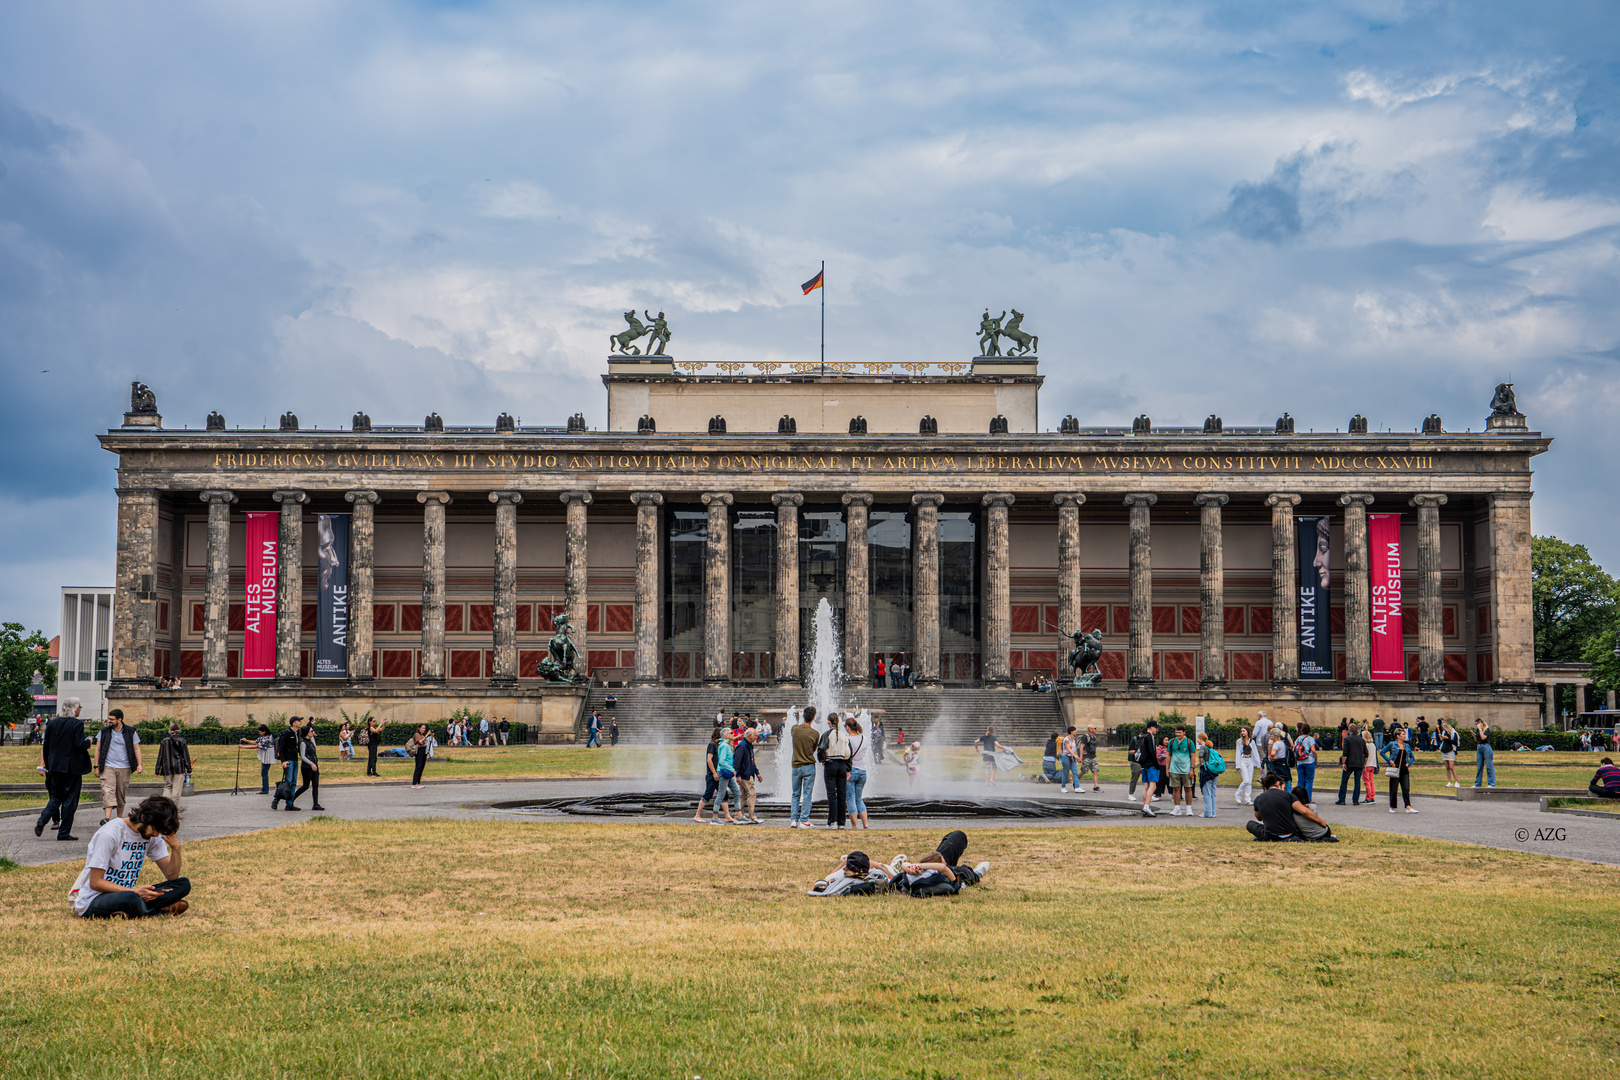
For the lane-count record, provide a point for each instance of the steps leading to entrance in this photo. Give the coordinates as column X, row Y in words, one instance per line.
column 661, row 715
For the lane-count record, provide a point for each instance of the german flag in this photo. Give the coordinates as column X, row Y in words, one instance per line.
column 814, row 283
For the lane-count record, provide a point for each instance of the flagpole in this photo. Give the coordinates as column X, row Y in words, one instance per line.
column 823, row 316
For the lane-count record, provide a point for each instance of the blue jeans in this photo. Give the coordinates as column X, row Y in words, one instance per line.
column 725, row 790
column 803, row 788
column 105, row 904
column 1071, row 773
column 264, row 778
column 595, row 739
column 1208, row 788
column 1350, row 779
column 290, row 772
column 853, row 789
column 1307, row 779
column 1484, row 763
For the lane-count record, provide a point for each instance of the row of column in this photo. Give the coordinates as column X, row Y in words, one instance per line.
column 1510, row 555
column 362, row 533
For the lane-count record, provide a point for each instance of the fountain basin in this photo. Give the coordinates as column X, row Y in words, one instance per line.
column 665, row 804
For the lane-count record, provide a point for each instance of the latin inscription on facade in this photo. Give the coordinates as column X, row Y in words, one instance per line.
column 596, row 464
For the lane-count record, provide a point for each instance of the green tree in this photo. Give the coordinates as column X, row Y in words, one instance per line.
column 1599, row 652
column 20, row 657
column 1573, row 599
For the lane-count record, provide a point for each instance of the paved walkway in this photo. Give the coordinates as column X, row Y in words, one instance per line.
column 1509, row 826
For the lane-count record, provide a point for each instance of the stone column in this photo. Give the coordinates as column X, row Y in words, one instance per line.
column 1139, row 661
column 647, row 551
column 217, row 597
column 717, row 591
column 1550, row 689
column 1284, row 591
column 857, row 590
column 1510, row 588
column 1357, row 594
column 506, row 656
column 787, row 588
column 1211, row 589
column 433, row 504
column 925, row 590
column 1068, row 551
column 1431, row 648
column 576, row 572
column 290, row 584
column 362, row 557
column 998, row 586
column 135, row 603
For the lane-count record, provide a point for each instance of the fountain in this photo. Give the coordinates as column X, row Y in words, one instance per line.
column 825, row 684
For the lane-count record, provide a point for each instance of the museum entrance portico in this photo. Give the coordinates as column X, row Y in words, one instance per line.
column 686, row 558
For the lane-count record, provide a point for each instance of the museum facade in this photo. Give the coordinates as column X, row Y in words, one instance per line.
column 692, row 540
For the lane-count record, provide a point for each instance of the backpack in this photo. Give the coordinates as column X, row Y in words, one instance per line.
column 1147, row 751
column 1214, row 764
column 1293, row 755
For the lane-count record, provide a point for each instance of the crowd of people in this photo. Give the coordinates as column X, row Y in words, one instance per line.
column 894, row 674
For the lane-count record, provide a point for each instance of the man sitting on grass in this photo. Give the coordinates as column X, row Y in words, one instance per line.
column 935, row 874
column 1606, row 783
column 1279, row 815
column 107, row 885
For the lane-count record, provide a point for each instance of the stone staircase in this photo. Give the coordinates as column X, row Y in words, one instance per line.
column 666, row 715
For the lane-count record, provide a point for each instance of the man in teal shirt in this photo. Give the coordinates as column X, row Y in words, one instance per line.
column 1181, row 781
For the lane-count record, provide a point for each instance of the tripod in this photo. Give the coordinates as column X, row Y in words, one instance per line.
column 236, row 788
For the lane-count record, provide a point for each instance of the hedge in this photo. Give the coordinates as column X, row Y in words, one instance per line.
column 1224, row 734
column 206, row 734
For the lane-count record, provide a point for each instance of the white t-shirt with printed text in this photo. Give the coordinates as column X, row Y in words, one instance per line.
column 120, row 852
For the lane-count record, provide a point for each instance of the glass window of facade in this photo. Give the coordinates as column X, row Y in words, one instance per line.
column 688, row 535
column 888, row 536
column 821, row 572
column 959, row 595
column 753, row 595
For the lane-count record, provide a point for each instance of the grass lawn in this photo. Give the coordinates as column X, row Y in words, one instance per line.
column 23, row 802
column 491, row 949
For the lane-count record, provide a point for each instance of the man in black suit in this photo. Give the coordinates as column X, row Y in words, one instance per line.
column 64, row 753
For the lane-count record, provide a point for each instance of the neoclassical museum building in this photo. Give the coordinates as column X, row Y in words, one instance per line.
column 418, row 568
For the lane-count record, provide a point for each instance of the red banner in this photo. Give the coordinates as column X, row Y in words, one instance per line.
column 1384, row 549
column 263, row 550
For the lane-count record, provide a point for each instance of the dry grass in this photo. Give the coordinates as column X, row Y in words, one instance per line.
column 487, row 949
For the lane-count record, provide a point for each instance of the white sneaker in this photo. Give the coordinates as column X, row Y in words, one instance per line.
column 1148, row 811
column 896, row 863
column 1065, row 789
column 1392, row 810
column 1411, row 809
column 982, row 869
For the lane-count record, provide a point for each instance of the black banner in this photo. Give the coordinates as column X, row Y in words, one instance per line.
column 332, row 597
column 1315, row 567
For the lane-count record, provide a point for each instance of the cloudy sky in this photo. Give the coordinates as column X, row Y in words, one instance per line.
column 1240, row 208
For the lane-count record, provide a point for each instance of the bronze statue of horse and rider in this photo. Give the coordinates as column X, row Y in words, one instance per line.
column 1084, row 656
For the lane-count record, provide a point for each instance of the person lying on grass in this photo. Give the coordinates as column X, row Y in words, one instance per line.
column 107, row 886
column 935, row 874
column 1279, row 815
